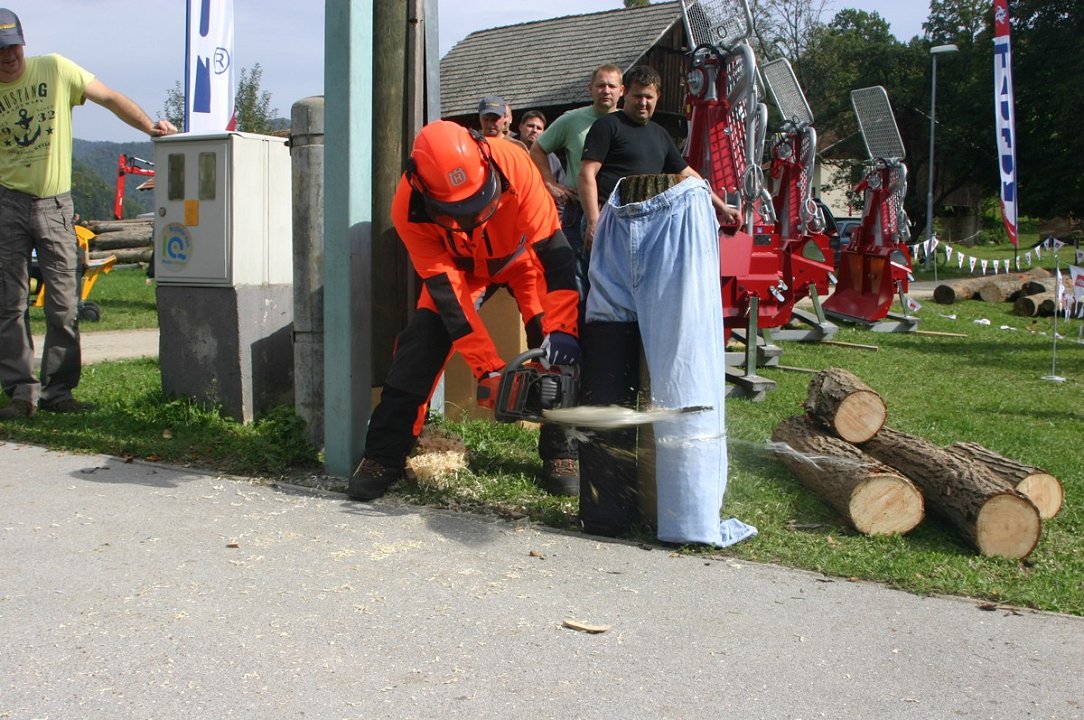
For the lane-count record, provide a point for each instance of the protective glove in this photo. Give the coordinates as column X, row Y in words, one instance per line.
column 487, row 390
column 561, row 349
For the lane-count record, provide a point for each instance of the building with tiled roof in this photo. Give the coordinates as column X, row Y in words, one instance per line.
column 547, row 64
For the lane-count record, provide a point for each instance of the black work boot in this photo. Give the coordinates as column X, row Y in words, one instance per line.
column 371, row 480
column 561, row 476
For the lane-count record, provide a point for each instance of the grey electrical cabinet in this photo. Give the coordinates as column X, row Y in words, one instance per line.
column 223, row 215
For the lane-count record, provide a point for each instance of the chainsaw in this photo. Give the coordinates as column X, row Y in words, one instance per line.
column 527, row 388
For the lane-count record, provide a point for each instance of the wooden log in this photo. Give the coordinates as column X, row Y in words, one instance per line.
column 967, row 288
column 1028, row 305
column 1042, row 488
column 995, row 519
column 125, row 256
column 956, row 291
column 1005, row 288
column 129, row 237
column 845, row 405
column 874, row 498
column 104, row 226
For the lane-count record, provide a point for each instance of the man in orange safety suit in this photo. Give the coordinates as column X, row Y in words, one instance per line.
column 474, row 216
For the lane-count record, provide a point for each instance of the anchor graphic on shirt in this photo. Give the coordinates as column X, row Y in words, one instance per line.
column 26, row 140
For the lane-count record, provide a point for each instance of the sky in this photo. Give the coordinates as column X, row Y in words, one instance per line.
column 137, row 46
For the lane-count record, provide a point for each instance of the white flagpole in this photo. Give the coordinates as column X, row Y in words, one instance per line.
column 1053, row 376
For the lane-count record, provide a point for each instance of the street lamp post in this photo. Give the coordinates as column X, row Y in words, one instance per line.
column 934, row 52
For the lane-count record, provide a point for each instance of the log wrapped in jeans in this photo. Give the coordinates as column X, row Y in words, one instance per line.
column 655, row 277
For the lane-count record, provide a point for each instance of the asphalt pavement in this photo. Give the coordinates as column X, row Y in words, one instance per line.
column 134, row 590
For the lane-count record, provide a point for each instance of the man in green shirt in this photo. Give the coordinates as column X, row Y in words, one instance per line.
column 37, row 95
column 566, row 134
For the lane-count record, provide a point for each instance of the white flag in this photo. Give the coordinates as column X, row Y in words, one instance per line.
column 209, row 69
column 1060, row 291
column 1077, row 274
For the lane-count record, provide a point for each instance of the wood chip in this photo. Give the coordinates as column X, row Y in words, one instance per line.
column 584, row 627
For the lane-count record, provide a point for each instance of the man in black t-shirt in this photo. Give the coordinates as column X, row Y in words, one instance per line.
column 629, row 143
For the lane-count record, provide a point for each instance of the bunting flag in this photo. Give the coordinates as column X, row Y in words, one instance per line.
column 1077, row 274
column 1006, row 116
column 1059, row 292
column 209, row 71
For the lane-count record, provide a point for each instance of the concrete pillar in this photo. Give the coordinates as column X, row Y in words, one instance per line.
column 348, row 78
column 307, row 172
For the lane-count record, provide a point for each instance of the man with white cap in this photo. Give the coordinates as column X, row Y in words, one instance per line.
column 36, row 214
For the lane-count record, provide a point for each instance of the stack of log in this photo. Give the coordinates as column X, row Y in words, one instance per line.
column 1032, row 293
column 131, row 241
column 882, row 479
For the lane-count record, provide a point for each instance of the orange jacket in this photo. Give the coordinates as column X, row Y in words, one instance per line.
column 521, row 245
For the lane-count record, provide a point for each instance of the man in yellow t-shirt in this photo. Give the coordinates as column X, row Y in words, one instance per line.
column 37, row 95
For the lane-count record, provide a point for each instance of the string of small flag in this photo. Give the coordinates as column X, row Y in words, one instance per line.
column 1072, row 305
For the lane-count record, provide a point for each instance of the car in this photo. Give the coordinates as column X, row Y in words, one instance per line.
column 838, row 230
column 845, row 226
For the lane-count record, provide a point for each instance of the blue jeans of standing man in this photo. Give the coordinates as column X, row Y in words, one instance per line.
column 655, row 265
column 30, row 223
column 572, row 224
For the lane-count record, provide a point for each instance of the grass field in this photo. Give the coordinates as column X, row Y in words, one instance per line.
column 987, row 387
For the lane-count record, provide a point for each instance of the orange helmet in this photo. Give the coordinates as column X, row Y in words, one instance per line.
column 453, row 170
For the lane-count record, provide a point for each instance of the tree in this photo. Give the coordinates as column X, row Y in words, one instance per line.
column 252, row 106
column 1048, row 61
column 637, row 3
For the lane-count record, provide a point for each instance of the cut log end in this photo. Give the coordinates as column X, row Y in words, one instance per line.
column 1044, row 491
column 886, row 505
column 1008, row 526
column 860, row 415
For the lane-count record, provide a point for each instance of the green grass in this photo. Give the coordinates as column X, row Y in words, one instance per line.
column 126, row 298
column 985, row 388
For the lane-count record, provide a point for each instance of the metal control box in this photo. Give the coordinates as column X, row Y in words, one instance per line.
column 223, row 214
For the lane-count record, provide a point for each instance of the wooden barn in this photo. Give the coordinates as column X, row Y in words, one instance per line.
column 547, row 64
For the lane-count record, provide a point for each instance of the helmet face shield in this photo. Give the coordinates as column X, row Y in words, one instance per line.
column 470, row 212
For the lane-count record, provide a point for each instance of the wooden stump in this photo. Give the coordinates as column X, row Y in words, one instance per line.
column 873, row 497
column 995, row 519
column 844, row 404
column 1042, row 488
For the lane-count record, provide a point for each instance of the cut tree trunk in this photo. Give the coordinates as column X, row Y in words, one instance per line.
column 844, row 404
column 995, row 519
column 874, row 498
column 1032, row 305
column 130, row 237
column 125, row 256
column 1001, row 289
column 106, row 226
column 948, row 293
column 1041, row 487
column 967, row 288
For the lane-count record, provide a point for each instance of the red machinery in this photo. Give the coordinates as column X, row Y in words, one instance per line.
column 779, row 254
column 874, row 269
column 128, row 165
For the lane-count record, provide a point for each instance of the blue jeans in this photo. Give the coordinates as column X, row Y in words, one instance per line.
column 656, row 264
column 572, row 224
column 44, row 224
